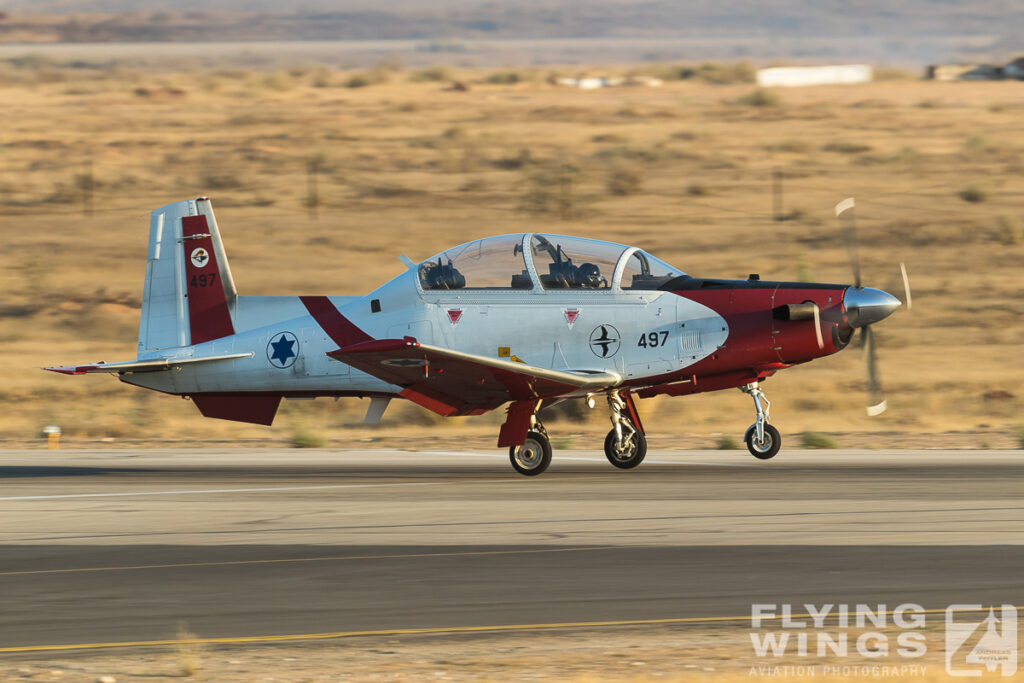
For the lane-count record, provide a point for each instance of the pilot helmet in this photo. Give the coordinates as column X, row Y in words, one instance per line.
column 589, row 275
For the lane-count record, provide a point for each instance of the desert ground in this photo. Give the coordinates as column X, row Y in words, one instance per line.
column 321, row 178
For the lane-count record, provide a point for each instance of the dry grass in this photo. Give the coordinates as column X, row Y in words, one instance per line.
column 409, row 165
column 189, row 653
column 634, row 655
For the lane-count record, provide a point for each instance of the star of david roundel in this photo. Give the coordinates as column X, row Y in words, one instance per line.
column 283, row 349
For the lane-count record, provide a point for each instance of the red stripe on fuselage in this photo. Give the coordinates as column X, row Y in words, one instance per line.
column 208, row 314
column 338, row 327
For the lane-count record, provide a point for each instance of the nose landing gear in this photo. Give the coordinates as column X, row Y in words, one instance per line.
column 763, row 440
column 625, row 446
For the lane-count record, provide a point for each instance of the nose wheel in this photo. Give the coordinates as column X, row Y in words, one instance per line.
column 766, row 447
column 625, row 446
column 763, row 440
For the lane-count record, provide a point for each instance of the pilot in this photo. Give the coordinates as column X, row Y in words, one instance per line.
column 588, row 276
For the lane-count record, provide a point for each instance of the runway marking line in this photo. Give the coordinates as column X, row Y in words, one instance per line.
column 328, row 558
column 241, row 640
column 201, row 491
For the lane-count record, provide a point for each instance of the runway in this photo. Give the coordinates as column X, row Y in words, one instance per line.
column 103, row 547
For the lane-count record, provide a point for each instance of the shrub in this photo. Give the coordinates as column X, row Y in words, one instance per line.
column 624, row 181
column 1010, row 230
column 375, row 76
column 794, row 146
column 504, row 78
column 434, row 74
column 562, row 442
column 973, row 194
column 550, row 191
column 303, row 438
column 358, row 81
column 696, row 190
column 712, row 72
column 888, row 73
column 725, row 74
column 1019, row 433
column 817, row 440
column 760, row 98
column 279, row 81
column 846, row 147
column 727, row 443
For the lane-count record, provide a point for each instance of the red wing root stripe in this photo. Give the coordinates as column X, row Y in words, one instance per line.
column 208, row 314
column 338, row 327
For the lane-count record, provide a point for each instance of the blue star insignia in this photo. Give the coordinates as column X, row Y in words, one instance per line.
column 284, row 349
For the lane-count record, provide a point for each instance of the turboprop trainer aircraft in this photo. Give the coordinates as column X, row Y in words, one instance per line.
column 525, row 320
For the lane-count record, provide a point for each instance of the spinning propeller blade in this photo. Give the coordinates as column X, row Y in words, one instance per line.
column 844, row 212
column 876, row 400
column 906, row 286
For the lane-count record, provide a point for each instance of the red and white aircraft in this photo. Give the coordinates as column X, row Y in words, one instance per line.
column 525, row 320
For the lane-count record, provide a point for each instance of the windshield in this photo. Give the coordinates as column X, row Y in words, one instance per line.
column 643, row 271
column 491, row 263
column 573, row 262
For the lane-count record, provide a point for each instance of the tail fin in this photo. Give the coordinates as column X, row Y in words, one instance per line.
column 189, row 297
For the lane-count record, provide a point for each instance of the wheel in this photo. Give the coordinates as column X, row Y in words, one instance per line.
column 533, row 457
column 628, row 457
column 766, row 449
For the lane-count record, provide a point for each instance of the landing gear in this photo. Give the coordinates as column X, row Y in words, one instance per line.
column 625, row 446
column 534, row 456
column 765, row 448
column 763, row 440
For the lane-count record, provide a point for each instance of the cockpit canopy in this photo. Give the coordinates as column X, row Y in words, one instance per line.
column 526, row 261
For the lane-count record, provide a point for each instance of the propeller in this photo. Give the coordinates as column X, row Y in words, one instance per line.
column 907, row 300
column 876, row 400
column 865, row 306
column 848, row 227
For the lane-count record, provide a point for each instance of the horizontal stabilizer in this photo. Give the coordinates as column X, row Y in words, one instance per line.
column 140, row 365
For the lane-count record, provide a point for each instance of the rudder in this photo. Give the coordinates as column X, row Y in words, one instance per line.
column 189, row 295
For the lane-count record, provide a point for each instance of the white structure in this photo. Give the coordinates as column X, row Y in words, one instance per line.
column 793, row 76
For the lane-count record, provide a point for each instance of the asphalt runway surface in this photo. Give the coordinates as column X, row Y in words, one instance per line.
column 120, row 546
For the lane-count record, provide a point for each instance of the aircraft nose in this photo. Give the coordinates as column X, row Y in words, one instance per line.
column 865, row 305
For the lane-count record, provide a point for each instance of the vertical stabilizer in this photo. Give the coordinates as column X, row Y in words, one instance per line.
column 189, row 295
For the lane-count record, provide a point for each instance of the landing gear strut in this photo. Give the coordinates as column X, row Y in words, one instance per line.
column 763, row 440
column 625, row 446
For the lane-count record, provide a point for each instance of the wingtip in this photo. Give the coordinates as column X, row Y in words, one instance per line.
column 70, row 369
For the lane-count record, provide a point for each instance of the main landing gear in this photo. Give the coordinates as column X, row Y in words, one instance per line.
column 625, row 446
column 763, row 440
column 534, row 456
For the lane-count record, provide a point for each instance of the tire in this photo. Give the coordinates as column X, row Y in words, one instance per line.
column 533, row 457
column 772, row 442
column 634, row 454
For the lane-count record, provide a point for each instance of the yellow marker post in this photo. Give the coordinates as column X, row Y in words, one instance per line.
column 52, row 436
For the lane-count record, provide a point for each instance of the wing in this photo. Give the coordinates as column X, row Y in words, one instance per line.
column 140, row 365
column 455, row 383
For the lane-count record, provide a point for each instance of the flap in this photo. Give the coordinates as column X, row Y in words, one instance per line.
column 452, row 382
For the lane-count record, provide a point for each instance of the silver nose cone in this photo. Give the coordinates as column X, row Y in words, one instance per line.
column 865, row 305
